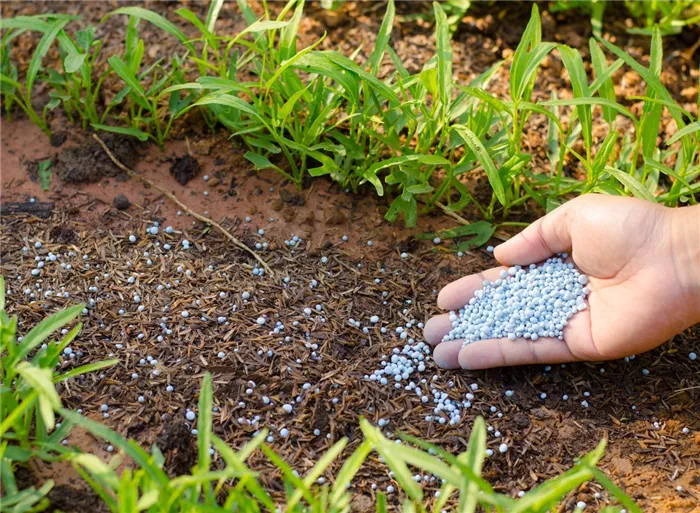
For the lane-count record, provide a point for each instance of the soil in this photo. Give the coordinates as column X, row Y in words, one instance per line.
column 184, row 169
column 88, row 163
column 544, row 435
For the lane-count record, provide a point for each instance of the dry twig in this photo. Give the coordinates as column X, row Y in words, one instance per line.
column 194, row 214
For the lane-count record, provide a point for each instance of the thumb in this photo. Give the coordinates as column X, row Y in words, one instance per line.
column 543, row 238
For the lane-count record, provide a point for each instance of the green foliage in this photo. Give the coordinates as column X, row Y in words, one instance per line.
column 420, row 138
column 670, row 15
column 226, row 483
column 45, row 172
column 28, row 397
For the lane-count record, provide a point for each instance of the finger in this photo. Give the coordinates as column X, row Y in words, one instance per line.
column 503, row 352
column 446, row 355
column 436, row 328
column 458, row 293
column 542, row 239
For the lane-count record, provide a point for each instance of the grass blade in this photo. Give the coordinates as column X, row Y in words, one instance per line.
column 485, row 160
column 41, row 49
column 213, row 14
column 629, row 181
column 577, row 74
column 204, row 424
column 444, row 58
column 133, row 132
column 158, row 20
column 383, row 37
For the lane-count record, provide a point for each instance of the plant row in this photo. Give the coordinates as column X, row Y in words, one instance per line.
column 134, row 480
column 422, row 137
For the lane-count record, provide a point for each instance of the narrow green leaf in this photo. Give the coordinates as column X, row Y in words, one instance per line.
column 485, row 160
column 133, row 132
column 41, row 49
column 607, row 90
column 444, row 58
column 383, row 37
column 579, row 82
column 204, row 423
column 213, row 13
column 683, row 132
column 158, row 20
column 42, row 330
column 629, row 181
column 288, row 35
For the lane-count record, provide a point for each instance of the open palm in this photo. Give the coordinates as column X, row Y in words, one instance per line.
column 643, row 288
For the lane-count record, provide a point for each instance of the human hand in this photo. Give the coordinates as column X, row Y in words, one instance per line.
column 643, row 264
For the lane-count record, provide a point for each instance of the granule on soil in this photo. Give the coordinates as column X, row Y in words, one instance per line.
column 318, row 362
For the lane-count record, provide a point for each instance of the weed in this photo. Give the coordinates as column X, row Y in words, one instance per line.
column 418, row 137
column 222, row 482
column 28, row 398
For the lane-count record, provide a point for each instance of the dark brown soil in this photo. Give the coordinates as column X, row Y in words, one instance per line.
column 184, row 169
column 66, row 499
column 88, row 163
column 179, row 448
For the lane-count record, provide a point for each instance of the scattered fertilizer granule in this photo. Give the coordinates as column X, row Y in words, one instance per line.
column 528, row 303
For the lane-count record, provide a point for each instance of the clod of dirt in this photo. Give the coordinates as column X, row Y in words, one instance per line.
column 184, row 169
column 63, row 235
column 293, row 198
column 58, row 138
column 74, row 500
column 89, row 163
column 179, row 448
column 121, row 202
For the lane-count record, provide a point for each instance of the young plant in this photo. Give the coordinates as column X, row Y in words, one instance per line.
column 14, row 92
column 28, row 398
column 224, row 482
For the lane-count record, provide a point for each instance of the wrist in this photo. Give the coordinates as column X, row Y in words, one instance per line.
column 685, row 232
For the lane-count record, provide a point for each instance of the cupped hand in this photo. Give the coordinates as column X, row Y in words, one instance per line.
column 642, row 261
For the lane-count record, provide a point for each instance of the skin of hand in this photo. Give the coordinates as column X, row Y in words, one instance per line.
column 643, row 264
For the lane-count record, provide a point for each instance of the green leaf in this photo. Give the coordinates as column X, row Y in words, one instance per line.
column 213, row 13
column 444, row 58
column 383, row 37
column 84, row 369
column 476, row 228
column 485, row 160
column 130, row 447
column 529, row 40
column 629, row 181
column 474, row 460
column 73, row 62
column 40, row 380
column 577, row 74
column 204, row 423
column 133, row 132
column 683, row 132
column 129, row 77
column 259, row 161
column 386, row 449
column 349, row 470
column 288, row 35
column 41, row 49
column 607, row 89
column 42, row 330
column 371, row 173
column 594, row 101
column 44, row 171
column 158, row 20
